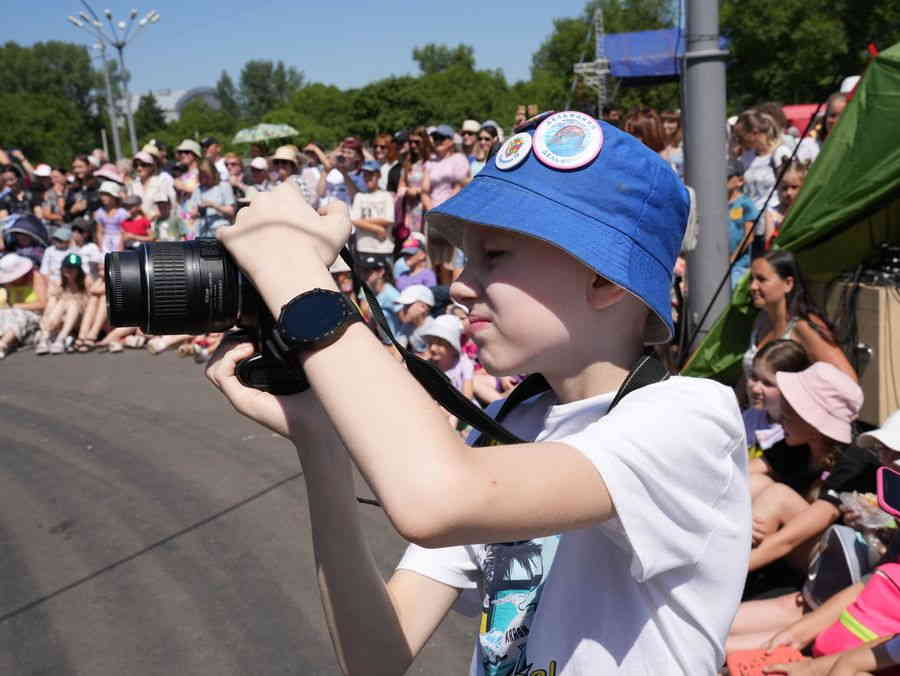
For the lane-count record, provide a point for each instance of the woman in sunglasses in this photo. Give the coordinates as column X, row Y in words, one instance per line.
column 148, row 183
column 486, row 140
column 414, row 183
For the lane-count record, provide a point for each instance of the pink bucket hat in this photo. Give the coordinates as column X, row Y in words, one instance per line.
column 825, row 397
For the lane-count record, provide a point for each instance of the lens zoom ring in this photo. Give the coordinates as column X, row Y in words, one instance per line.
column 170, row 299
column 116, row 289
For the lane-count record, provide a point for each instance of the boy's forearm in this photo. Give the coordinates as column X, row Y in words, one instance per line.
column 362, row 620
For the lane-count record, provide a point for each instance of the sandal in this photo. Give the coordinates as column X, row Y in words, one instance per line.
column 84, row 345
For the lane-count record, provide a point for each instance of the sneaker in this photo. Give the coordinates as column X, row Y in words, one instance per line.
column 2, row 353
column 43, row 344
column 201, row 354
column 57, row 347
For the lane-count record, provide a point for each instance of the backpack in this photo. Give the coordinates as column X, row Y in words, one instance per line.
column 839, row 559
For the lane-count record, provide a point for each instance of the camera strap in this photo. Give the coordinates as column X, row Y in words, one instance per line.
column 647, row 370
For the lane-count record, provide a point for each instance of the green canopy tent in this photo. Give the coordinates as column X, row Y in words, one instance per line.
column 849, row 203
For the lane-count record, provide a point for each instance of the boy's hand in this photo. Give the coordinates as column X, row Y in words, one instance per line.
column 266, row 409
column 283, row 245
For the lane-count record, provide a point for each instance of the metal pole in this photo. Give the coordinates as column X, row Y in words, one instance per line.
column 134, row 147
column 600, row 58
column 113, row 118
column 104, row 142
column 704, row 151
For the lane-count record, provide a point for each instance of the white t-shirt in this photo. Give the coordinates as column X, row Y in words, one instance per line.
column 373, row 205
column 52, row 261
column 760, row 174
column 90, row 255
column 653, row 590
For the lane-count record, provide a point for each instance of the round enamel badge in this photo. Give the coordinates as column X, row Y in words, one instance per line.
column 568, row 140
column 513, row 151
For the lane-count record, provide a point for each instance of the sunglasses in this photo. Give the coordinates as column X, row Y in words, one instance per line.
column 380, row 147
column 232, row 164
column 485, row 138
column 468, row 133
column 415, row 141
column 138, row 164
column 437, row 138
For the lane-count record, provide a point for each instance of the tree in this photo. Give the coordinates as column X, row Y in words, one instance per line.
column 148, row 117
column 228, row 95
column 48, row 128
column 434, row 58
column 797, row 51
column 572, row 41
column 196, row 121
column 265, row 85
column 53, row 68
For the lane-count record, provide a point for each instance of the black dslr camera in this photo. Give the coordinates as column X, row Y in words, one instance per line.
column 171, row 288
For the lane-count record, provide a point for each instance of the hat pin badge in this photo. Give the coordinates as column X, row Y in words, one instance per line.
column 513, row 151
column 568, row 140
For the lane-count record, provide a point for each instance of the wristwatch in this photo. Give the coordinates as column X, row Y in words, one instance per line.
column 313, row 320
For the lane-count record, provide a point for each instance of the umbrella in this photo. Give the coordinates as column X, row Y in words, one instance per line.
column 264, row 132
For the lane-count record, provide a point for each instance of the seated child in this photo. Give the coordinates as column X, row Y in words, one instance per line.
column 135, row 228
column 413, row 307
column 167, row 226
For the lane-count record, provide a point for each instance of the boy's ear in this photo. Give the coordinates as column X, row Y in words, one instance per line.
column 603, row 293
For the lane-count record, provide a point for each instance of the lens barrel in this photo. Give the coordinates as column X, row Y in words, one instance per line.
column 170, row 288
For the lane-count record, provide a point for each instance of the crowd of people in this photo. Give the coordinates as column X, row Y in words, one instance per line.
column 802, row 398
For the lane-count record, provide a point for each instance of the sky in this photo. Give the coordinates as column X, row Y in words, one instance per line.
column 347, row 43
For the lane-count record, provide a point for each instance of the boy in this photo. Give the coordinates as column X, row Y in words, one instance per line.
column 136, row 228
column 741, row 214
column 373, row 215
column 627, row 535
column 417, row 270
column 413, row 309
column 167, row 227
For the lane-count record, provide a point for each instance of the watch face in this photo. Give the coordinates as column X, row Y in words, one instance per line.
column 320, row 314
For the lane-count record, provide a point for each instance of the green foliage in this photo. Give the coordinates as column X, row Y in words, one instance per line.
column 795, row 51
column 265, row 85
column 228, row 95
column 198, row 120
column 149, row 116
column 46, row 127
column 53, row 68
column 433, row 58
column 573, row 41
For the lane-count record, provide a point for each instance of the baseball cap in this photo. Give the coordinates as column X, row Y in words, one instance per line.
column 735, row 168
column 338, row 266
column 208, row 141
column 190, row 146
column 72, row 260
column 131, row 201
column 42, row 170
column 825, row 397
column 446, row 327
column 444, row 130
column 401, row 137
column 621, row 212
column 416, row 292
column 471, row 125
column 110, row 172
column 259, row 163
column 371, row 263
column 371, row 165
column 62, row 233
column 411, row 245
column 145, row 157
column 82, row 224
column 352, row 142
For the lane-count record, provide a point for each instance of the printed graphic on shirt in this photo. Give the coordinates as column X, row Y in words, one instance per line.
column 514, row 577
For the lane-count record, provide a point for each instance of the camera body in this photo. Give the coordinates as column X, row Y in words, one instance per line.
column 173, row 288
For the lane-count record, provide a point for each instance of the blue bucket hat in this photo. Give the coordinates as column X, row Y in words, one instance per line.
column 622, row 213
column 370, row 165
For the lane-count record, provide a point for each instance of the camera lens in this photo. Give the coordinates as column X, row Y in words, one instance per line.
column 170, row 288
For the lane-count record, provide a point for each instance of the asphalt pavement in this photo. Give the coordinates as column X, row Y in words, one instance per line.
column 146, row 528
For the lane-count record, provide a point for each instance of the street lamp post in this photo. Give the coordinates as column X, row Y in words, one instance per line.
column 92, row 24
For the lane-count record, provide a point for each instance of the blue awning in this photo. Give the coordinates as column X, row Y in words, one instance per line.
column 647, row 54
